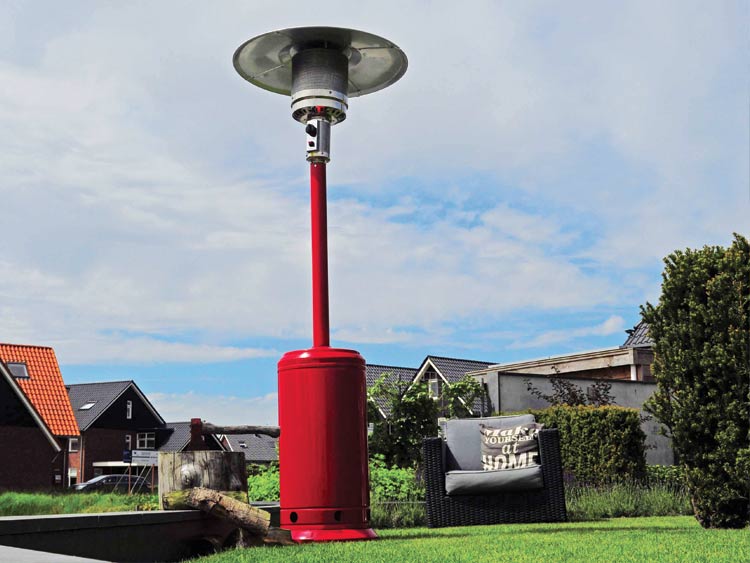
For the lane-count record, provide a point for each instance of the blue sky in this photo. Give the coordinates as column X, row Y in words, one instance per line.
column 510, row 198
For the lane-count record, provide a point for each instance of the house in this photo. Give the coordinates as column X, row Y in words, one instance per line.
column 399, row 376
column 629, row 362
column 258, row 448
column 627, row 368
column 35, row 372
column 33, row 457
column 435, row 371
column 177, row 438
column 438, row 372
column 113, row 416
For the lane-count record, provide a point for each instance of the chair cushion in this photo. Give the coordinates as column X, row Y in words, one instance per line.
column 493, row 482
column 462, row 444
column 509, row 447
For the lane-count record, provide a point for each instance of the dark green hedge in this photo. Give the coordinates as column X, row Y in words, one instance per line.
column 599, row 444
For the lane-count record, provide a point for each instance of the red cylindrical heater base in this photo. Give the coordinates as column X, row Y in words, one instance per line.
column 325, row 493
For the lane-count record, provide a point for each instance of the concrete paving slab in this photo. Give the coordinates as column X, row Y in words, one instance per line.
column 17, row 555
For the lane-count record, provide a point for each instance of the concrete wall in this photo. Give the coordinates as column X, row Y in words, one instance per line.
column 509, row 393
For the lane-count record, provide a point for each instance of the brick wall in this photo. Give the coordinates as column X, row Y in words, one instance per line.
column 28, row 460
column 101, row 444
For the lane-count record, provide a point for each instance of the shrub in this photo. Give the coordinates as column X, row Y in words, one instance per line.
column 598, row 444
column 263, row 482
column 671, row 476
column 393, row 484
column 413, row 416
column 701, row 332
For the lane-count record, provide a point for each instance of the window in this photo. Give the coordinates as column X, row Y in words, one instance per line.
column 86, row 406
column 242, row 443
column 72, row 476
column 18, row 370
column 129, row 410
column 433, row 386
column 146, row 440
column 128, row 442
column 73, row 444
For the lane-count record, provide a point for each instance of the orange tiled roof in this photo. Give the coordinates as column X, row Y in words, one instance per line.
column 44, row 387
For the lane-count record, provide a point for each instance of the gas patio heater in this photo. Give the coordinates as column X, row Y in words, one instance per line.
column 325, row 492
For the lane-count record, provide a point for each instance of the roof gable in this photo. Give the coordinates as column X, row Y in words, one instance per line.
column 101, row 396
column 454, row 369
column 44, row 387
column 15, row 398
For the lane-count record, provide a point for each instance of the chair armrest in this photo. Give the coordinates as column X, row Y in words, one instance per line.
column 551, row 458
column 434, row 472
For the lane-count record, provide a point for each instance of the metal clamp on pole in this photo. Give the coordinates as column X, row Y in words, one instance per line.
column 318, row 142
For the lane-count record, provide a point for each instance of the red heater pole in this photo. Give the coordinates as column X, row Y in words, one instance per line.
column 324, row 483
column 323, row 471
column 319, row 223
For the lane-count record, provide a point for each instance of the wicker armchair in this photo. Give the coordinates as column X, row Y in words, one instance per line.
column 542, row 505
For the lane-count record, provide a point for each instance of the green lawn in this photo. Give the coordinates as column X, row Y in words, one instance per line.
column 677, row 539
column 26, row 504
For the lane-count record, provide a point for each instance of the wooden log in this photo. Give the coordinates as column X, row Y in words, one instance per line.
column 217, row 504
column 216, row 470
column 179, row 500
column 272, row 431
column 199, row 429
column 254, row 521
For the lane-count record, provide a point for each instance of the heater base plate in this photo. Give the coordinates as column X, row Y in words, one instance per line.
column 307, row 535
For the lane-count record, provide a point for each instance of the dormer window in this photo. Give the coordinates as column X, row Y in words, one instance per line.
column 86, row 406
column 18, row 370
column 129, row 410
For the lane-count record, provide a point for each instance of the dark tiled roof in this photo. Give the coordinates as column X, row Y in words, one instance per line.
column 101, row 394
column 393, row 375
column 638, row 336
column 178, row 438
column 258, row 448
column 454, row 369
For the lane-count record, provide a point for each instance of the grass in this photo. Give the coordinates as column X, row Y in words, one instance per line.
column 26, row 504
column 620, row 500
column 584, row 503
column 675, row 539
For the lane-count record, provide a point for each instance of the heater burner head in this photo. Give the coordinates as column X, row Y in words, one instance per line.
column 320, row 67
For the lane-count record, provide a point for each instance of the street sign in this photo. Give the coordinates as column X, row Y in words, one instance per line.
column 145, row 457
column 127, row 456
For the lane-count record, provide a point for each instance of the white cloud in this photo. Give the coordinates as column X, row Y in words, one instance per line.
column 612, row 325
column 217, row 409
column 114, row 349
column 148, row 190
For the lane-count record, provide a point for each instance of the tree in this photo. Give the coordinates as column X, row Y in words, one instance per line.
column 413, row 416
column 458, row 397
column 701, row 333
column 565, row 392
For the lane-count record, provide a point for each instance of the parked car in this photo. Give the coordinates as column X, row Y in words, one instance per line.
column 115, row 483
